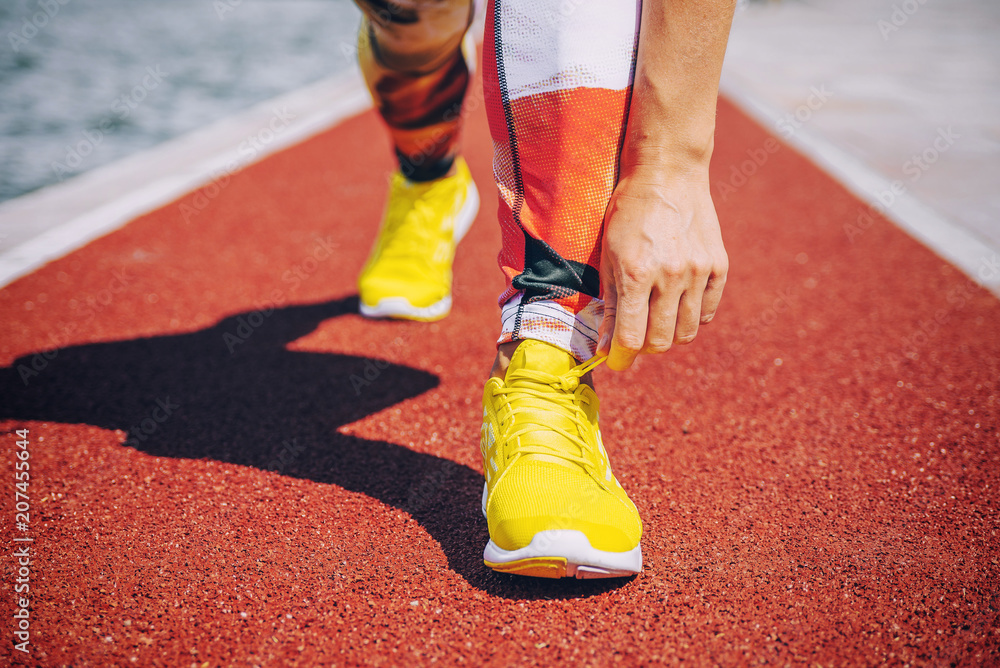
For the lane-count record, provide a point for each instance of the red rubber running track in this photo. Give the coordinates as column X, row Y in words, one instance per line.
column 210, row 485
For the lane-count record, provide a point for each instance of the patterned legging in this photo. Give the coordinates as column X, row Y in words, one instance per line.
column 557, row 80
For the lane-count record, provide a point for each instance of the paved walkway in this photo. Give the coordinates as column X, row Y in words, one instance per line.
column 909, row 87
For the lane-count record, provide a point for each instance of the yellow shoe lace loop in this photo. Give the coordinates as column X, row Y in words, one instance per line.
column 567, row 402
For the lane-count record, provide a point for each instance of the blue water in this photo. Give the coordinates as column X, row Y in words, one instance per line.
column 123, row 75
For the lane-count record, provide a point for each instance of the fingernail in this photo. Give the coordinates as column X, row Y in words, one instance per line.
column 603, row 345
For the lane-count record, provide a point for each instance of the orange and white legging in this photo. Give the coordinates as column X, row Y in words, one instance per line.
column 557, row 77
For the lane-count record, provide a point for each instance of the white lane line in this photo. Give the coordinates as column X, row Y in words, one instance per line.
column 974, row 257
column 81, row 209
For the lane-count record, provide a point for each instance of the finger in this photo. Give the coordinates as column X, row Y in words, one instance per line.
column 607, row 326
column 712, row 296
column 662, row 320
column 688, row 316
column 630, row 327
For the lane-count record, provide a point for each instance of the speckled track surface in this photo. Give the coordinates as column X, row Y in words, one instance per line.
column 213, row 485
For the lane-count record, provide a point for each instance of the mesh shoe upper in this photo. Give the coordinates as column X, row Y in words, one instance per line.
column 546, row 467
column 413, row 254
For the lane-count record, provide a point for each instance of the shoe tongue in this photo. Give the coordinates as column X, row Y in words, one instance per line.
column 540, row 356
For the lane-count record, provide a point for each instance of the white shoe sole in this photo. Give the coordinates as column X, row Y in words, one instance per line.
column 400, row 307
column 560, row 553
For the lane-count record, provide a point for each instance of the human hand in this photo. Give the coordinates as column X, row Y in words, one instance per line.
column 663, row 265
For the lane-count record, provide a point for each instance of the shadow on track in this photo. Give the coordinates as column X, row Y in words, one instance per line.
column 234, row 393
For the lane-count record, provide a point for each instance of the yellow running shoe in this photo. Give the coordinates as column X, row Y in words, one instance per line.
column 553, row 506
column 408, row 274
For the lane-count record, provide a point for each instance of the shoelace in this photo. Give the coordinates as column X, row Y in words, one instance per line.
column 522, row 384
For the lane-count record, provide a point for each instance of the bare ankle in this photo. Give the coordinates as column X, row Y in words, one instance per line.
column 504, row 352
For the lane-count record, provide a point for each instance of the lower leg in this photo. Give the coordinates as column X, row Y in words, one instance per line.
column 504, row 352
column 412, row 59
column 411, row 56
column 557, row 116
column 556, row 112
